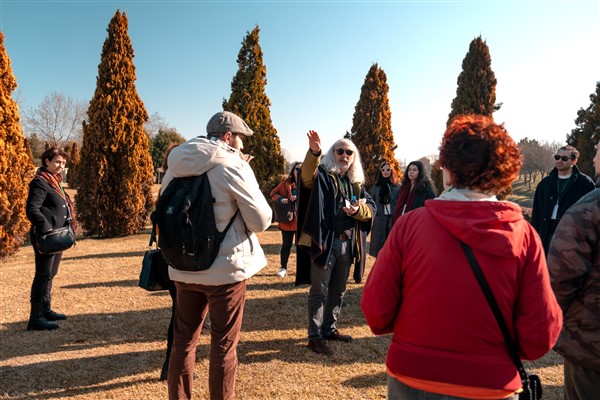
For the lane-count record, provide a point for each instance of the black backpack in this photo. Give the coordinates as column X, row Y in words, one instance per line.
column 188, row 235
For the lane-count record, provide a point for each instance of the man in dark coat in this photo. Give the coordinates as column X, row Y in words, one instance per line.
column 334, row 217
column 562, row 188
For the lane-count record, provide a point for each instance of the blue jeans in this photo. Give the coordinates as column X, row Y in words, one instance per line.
column 399, row 391
column 327, row 289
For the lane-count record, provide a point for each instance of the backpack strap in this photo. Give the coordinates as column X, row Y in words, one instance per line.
column 230, row 222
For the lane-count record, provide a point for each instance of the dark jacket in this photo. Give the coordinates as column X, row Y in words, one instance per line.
column 382, row 224
column 45, row 208
column 546, row 196
column 419, row 201
column 316, row 210
column 574, row 264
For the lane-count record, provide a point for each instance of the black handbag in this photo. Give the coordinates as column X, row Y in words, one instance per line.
column 532, row 386
column 57, row 240
column 284, row 212
column 150, row 277
column 155, row 270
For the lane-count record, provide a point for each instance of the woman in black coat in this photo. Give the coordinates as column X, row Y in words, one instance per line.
column 48, row 207
column 414, row 189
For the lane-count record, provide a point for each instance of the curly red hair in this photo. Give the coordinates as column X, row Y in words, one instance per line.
column 480, row 154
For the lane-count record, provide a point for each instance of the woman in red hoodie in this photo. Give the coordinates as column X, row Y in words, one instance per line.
column 446, row 341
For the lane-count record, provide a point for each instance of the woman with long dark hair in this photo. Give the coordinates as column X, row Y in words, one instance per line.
column 384, row 192
column 48, row 207
column 414, row 189
column 287, row 192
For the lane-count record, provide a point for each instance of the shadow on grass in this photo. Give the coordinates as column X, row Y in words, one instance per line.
column 139, row 254
column 126, row 283
column 367, row 381
column 92, row 373
column 88, row 331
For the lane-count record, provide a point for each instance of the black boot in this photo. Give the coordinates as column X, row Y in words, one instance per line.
column 51, row 315
column 37, row 322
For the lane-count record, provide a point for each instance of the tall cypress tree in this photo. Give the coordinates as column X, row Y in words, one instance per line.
column 587, row 133
column 476, row 91
column 249, row 100
column 115, row 173
column 14, row 163
column 372, row 125
column 73, row 165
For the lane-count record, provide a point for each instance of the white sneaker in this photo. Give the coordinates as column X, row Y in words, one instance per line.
column 282, row 272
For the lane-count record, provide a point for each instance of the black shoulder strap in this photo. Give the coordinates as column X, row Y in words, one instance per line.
column 487, row 291
column 230, row 222
column 153, row 233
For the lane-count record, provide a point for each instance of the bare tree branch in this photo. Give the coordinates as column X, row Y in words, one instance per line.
column 57, row 120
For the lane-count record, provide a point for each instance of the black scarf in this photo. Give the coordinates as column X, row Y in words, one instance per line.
column 384, row 190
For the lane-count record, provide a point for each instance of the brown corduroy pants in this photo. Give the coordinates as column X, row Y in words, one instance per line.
column 226, row 306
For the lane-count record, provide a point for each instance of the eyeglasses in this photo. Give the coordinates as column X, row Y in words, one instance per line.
column 347, row 151
column 385, row 170
column 564, row 158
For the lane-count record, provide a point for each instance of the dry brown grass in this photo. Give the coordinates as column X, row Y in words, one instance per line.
column 112, row 346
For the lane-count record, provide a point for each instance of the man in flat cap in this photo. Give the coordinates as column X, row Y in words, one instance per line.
column 221, row 289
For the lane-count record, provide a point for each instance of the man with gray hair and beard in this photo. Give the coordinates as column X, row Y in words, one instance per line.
column 334, row 217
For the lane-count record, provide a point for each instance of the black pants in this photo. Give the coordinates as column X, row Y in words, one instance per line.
column 286, row 247
column 46, row 268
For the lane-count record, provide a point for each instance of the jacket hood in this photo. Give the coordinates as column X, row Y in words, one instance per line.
column 493, row 227
column 197, row 156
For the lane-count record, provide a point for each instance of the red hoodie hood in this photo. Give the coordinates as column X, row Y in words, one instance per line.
column 494, row 227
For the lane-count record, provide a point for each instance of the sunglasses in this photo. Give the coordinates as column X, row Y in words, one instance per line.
column 564, row 158
column 385, row 170
column 347, row 151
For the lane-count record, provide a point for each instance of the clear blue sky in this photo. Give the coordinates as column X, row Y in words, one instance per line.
column 545, row 54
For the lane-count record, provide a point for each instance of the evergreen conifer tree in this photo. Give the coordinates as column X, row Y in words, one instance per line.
column 249, row 100
column 115, row 175
column 73, row 165
column 159, row 144
column 476, row 91
column 372, row 125
column 28, row 151
column 587, row 133
column 15, row 163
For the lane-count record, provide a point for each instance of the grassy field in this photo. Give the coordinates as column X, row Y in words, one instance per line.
column 523, row 193
column 112, row 346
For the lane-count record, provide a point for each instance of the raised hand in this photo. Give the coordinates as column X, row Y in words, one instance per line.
column 314, row 141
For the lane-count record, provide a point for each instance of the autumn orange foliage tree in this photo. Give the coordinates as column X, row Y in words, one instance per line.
column 115, row 174
column 15, row 163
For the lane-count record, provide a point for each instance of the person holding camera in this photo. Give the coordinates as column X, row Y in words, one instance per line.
column 334, row 217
